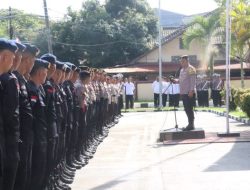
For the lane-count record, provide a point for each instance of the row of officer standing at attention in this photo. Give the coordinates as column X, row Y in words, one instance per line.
column 47, row 129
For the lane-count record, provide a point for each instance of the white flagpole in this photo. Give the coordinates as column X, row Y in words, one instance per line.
column 227, row 63
column 228, row 46
column 160, row 49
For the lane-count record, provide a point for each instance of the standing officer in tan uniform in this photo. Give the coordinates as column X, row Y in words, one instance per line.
column 187, row 80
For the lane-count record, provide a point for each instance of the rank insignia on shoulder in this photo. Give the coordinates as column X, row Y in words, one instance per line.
column 191, row 71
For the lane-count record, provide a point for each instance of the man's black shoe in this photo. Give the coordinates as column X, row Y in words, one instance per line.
column 188, row 128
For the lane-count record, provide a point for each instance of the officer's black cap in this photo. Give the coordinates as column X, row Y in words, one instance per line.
column 49, row 57
column 60, row 65
column 67, row 68
column 39, row 63
column 8, row 45
column 71, row 65
column 78, row 70
column 84, row 68
column 21, row 47
column 33, row 50
column 84, row 74
column 184, row 57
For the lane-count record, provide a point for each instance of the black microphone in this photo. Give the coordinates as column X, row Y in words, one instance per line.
column 177, row 73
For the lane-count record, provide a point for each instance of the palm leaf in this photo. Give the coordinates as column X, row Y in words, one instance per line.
column 188, row 37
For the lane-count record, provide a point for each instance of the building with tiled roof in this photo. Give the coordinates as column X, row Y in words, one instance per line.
column 145, row 68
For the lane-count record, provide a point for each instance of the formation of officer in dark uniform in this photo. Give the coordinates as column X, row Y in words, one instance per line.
column 53, row 115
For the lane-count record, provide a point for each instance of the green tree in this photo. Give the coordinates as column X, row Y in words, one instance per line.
column 25, row 26
column 240, row 15
column 203, row 30
column 102, row 36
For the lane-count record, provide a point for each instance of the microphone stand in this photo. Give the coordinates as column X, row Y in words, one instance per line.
column 125, row 99
column 175, row 115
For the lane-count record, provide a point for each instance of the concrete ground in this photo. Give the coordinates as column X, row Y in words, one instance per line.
column 131, row 159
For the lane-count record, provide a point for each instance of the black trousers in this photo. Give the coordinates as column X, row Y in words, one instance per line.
column 199, row 98
column 216, row 98
column 51, row 157
column 82, row 134
column 176, row 100
column 156, row 99
column 1, row 163
column 39, row 165
column 11, row 160
column 204, row 98
column 164, row 99
column 120, row 103
column 188, row 107
column 171, row 100
column 129, row 101
column 23, row 176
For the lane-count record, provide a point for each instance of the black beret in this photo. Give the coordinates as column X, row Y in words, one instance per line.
column 84, row 68
column 39, row 63
column 8, row 45
column 49, row 57
column 84, row 74
column 33, row 50
column 60, row 66
column 21, row 47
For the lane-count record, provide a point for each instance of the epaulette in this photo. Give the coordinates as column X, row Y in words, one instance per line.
column 191, row 70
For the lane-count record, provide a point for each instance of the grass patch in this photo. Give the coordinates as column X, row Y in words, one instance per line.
column 237, row 113
column 218, row 109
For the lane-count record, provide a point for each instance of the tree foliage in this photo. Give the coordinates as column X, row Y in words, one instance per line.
column 203, row 30
column 96, row 35
column 103, row 36
column 25, row 26
column 240, row 35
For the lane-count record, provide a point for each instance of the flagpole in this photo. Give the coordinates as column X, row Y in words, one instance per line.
column 160, row 54
column 228, row 46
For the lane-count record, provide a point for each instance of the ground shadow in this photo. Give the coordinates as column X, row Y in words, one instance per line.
column 235, row 160
column 120, row 179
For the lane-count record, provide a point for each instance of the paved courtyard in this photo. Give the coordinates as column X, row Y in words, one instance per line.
column 131, row 159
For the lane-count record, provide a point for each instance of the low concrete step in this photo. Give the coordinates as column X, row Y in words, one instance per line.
column 178, row 134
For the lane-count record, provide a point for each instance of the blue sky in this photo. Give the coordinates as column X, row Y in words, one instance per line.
column 58, row 7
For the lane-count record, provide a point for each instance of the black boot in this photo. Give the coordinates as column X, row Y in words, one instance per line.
column 189, row 127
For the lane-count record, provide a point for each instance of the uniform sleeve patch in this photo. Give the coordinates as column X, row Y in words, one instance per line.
column 50, row 90
column 34, row 99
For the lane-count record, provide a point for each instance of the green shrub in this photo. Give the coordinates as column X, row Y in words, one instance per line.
column 245, row 106
column 238, row 96
column 232, row 104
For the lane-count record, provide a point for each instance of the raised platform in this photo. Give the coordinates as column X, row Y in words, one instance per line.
column 178, row 134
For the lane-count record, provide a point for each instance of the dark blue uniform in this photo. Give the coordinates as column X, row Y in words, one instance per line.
column 69, row 124
column 39, row 155
column 1, row 142
column 10, row 109
column 51, row 119
column 26, row 135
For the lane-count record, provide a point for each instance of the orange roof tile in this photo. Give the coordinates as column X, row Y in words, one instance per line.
column 236, row 66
